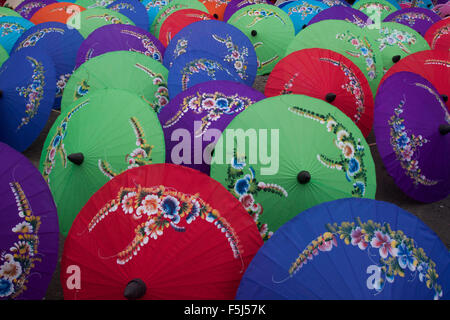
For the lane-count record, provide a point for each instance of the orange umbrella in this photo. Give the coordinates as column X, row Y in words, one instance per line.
column 63, row 12
column 216, row 7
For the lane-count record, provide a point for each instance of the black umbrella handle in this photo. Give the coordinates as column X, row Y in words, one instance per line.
column 444, row 129
column 135, row 289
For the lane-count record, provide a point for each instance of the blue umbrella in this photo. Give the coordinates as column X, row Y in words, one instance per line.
column 134, row 10
column 27, row 93
column 350, row 249
column 153, row 7
column 11, row 28
column 302, row 11
column 196, row 67
column 60, row 43
column 227, row 43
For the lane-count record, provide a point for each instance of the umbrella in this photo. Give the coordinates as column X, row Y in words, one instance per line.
column 7, row 12
column 29, row 7
column 199, row 115
column 347, row 39
column 302, row 11
column 326, row 75
column 235, row 5
column 350, row 249
column 377, row 10
column 229, row 44
column 153, row 7
column 216, row 8
column 3, row 55
column 139, row 74
column 30, row 235
column 91, row 4
column 180, row 238
column 92, row 19
column 11, row 28
column 418, row 19
column 438, row 35
column 342, row 13
column 171, row 7
column 270, row 30
column 433, row 65
column 134, row 10
column 12, row 3
column 426, row 4
column 179, row 20
column 195, row 67
column 396, row 41
column 64, row 12
column 96, row 138
column 119, row 37
column 414, row 145
column 60, row 43
column 301, row 151
column 27, row 87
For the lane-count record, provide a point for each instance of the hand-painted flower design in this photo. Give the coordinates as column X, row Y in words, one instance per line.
column 359, row 238
column 237, row 56
column 406, row 258
column 385, row 244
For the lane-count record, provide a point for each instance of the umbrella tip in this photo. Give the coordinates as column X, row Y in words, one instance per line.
column 396, row 58
column 135, row 289
column 1, row 93
column 330, row 97
column 303, row 177
column 445, row 97
column 444, row 129
column 216, row 16
column 254, row 33
column 76, row 158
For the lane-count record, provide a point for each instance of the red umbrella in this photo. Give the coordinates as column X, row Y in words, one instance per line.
column 216, row 7
column 438, row 35
column 161, row 232
column 326, row 75
column 178, row 20
column 433, row 65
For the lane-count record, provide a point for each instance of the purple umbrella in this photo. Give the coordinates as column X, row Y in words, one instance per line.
column 235, row 5
column 119, row 37
column 411, row 127
column 342, row 13
column 29, row 232
column 28, row 7
column 196, row 117
column 419, row 19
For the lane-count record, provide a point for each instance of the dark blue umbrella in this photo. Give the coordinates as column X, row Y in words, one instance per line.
column 226, row 42
column 134, row 10
column 60, row 43
column 196, row 67
column 11, row 28
column 27, row 93
column 350, row 249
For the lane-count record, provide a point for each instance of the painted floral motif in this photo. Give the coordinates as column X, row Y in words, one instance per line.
column 156, row 4
column 395, row 37
column 374, row 7
column 10, row 27
column 197, row 66
column 27, row 8
column 180, row 47
column 56, row 145
column 162, row 207
column 443, row 63
column 213, row 105
column 164, row 14
column 34, row 92
column 33, row 38
column 140, row 156
column 243, row 184
column 16, row 265
column 82, row 89
column 150, row 49
column 332, row 3
column 445, row 30
column 61, row 84
column 411, row 17
column 108, row 18
column 406, row 147
column 351, row 160
column 217, row 3
column 122, row 6
column 397, row 253
column 100, row 4
column 304, row 9
column 259, row 15
column 357, row 21
column 162, row 92
column 364, row 50
column 236, row 56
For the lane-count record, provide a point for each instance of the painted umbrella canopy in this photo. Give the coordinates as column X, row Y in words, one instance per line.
column 98, row 137
column 64, row 12
column 194, row 119
column 419, row 19
column 302, row 11
column 342, row 13
column 412, row 126
column 180, row 239
column 235, row 5
column 438, row 35
column 134, row 10
column 30, row 235
column 377, row 10
column 7, row 12
column 301, row 152
column 29, row 7
column 11, row 28
column 139, row 74
column 350, row 249
column 92, row 19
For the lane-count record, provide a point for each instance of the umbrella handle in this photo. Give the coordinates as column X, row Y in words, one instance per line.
column 444, row 129
column 135, row 289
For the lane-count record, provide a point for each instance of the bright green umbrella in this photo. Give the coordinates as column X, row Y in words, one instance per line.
column 131, row 71
column 89, row 4
column 347, row 39
column 376, row 10
column 299, row 152
column 172, row 7
column 95, row 18
column 3, row 55
column 100, row 136
column 269, row 29
column 7, row 12
column 396, row 41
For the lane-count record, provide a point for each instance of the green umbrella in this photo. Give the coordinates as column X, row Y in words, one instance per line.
column 7, row 12
column 299, row 152
column 89, row 4
column 269, row 29
column 98, row 137
column 172, row 7
column 95, row 18
column 131, row 71
column 376, row 10
column 396, row 41
column 3, row 55
column 347, row 39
